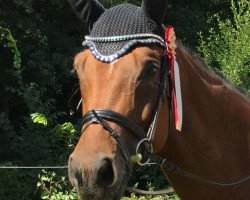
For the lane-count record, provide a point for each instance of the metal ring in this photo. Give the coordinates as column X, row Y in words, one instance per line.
column 137, row 151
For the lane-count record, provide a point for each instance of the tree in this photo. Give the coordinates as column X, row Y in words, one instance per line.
column 227, row 48
column 47, row 35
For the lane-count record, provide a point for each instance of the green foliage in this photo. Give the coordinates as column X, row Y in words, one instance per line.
column 66, row 131
column 39, row 118
column 5, row 34
column 15, row 184
column 190, row 17
column 165, row 197
column 227, row 47
column 54, row 187
column 37, row 42
column 149, row 177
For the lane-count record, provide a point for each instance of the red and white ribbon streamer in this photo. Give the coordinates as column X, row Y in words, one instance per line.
column 175, row 77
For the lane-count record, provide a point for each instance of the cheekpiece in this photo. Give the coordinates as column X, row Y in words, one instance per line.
column 121, row 28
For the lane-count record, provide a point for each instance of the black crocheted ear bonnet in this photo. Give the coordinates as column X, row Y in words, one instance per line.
column 118, row 29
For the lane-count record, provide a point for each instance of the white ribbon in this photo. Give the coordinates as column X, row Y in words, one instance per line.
column 178, row 95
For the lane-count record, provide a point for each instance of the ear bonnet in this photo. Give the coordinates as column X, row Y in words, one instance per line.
column 118, row 29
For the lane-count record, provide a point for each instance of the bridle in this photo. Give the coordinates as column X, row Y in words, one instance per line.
column 100, row 116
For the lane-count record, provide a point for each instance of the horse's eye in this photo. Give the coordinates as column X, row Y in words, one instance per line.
column 149, row 70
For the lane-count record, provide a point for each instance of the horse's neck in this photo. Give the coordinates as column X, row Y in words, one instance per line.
column 210, row 104
column 215, row 133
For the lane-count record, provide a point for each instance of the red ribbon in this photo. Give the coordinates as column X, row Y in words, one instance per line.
column 171, row 60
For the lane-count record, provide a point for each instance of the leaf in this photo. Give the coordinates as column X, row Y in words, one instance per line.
column 39, row 118
column 38, row 184
column 10, row 38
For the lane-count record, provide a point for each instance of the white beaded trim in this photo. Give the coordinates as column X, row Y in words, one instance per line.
column 110, row 58
column 123, row 37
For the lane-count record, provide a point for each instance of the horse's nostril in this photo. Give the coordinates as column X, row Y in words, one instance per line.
column 105, row 174
column 79, row 177
column 75, row 173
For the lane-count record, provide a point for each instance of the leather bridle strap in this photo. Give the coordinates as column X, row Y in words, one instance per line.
column 172, row 168
column 117, row 118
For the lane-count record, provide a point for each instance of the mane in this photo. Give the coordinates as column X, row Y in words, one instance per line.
column 208, row 69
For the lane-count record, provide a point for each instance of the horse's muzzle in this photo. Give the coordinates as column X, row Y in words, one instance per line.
column 95, row 181
column 101, row 173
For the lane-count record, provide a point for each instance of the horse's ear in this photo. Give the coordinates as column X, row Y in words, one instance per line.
column 87, row 10
column 155, row 9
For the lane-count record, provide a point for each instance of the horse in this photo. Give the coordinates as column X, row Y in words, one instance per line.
column 127, row 97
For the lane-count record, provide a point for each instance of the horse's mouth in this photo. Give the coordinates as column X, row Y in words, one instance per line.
column 113, row 192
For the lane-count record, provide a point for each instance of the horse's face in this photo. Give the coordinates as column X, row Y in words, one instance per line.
column 129, row 86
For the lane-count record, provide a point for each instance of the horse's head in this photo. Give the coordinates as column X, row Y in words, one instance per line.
column 120, row 73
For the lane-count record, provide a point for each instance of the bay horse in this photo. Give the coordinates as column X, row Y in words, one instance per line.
column 127, row 95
